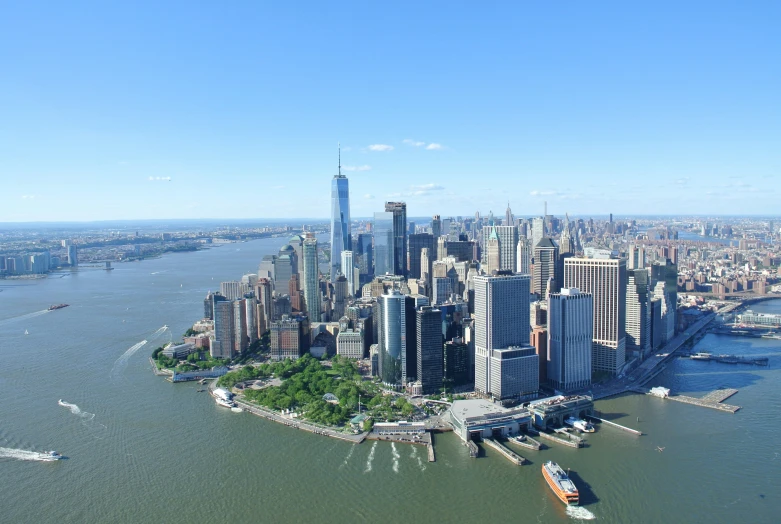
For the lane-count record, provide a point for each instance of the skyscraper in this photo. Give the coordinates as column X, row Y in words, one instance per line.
column 524, row 258
column 312, row 297
column 436, row 227
column 348, row 270
column 638, row 312
column 340, row 219
column 538, row 230
column 430, row 351
column 508, row 216
column 501, row 322
column 570, row 330
column 566, row 245
column 384, row 247
column 392, row 357
column 664, row 276
column 605, row 279
column 493, row 254
column 508, row 244
column 416, row 245
column 546, row 256
column 399, row 210
column 221, row 343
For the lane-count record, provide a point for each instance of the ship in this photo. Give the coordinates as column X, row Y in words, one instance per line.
column 53, row 455
column 579, row 424
column 225, row 403
column 57, row 306
column 560, row 483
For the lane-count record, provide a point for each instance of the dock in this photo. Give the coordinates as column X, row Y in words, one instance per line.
column 618, row 426
column 430, row 448
column 564, row 442
column 508, row 454
column 473, row 449
column 712, row 400
column 527, row 442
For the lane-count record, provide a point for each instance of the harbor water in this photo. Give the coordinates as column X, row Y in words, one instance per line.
column 140, row 449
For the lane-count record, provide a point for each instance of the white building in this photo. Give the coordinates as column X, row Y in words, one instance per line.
column 348, row 270
column 570, row 331
column 349, row 343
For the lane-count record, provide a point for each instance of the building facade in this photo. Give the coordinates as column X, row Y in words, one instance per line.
column 570, row 331
column 341, row 237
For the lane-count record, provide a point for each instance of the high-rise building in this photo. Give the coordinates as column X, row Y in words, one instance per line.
column 508, row 216
column 638, row 312
column 250, row 318
column 350, row 343
column 340, row 296
column 364, row 253
column 492, row 252
column 436, row 227
column 457, row 362
column 417, row 243
column 233, row 289
column 290, row 338
column 399, row 210
column 312, row 297
column 430, row 354
column 605, row 279
column 73, row 257
column 384, row 247
column 566, row 245
column 285, row 266
column 341, row 239
column 508, row 244
column 664, row 277
column 546, row 257
column 501, row 322
column 538, row 230
column 514, row 372
column 240, row 338
column 348, row 270
column 524, row 257
column 265, row 311
column 392, row 357
column 570, row 331
column 222, row 342
column 636, row 257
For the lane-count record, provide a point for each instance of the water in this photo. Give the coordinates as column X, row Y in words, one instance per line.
column 143, row 450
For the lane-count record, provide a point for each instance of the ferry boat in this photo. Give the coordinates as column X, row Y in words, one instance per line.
column 560, row 483
column 701, row 356
column 53, row 455
column 57, row 306
column 579, row 424
column 224, row 403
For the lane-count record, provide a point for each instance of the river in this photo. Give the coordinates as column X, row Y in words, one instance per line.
column 141, row 449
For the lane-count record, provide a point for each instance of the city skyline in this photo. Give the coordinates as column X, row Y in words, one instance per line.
column 579, row 106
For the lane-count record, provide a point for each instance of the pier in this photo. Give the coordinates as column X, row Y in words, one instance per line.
column 564, row 442
column 430, row 448
column 526, row 442
column 618, row 426
column 712, row 400
column 473, row 449
column 508, row 454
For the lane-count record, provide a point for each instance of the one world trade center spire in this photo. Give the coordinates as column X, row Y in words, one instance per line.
column 340, row 220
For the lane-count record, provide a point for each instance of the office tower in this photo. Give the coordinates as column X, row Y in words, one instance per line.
column 638, row 312
column 221, row 345
column 348, row 270
column 417, row 243
column 384, row 247
column 508, row 216
column 340, row 296
column 208, row 304
column 461, row 250
column 392, row 358
column 280, row 306
column 492, row 252
column 295, row 293
column 250, row 316
column 264, row 294
column 566, row 245
column 636, row 257
column 340, row 219
column 664, row 276
column 312, row 297
column 514, row 372
column 570, row 331
column 399, row 210
column 441, row 289
column 436, row 227
column 524, row 256
column 539, row 340
column 233, row 289
column 430, row 357
column 546, row 256
column 501, row 324
column 411, row 229
column 365, row 257
column 73, row 258
column 285, row 266
column 426, row 264
column 266, row 267
column 538, row 230
column 456, row 363
column 290, row 338
column 605, row 279
column 508, row 244
column 240, row 338
column 411, row 304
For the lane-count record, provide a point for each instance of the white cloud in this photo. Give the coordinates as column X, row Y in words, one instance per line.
column 435, row 147
column 277, row 187
column 414, row 143
column 537, row 192
column 159, row 178
column 368, row 196
column 380, row 147
column 427, row 187
column 28, row 197
column 357, row 168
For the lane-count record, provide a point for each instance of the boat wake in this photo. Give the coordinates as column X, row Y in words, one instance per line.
column 23, row 317
column 121, row 363
column 580, row 513
column 396, row 457
column 76, row 410
column 23, row 454
column 347, row 458
column 158, row 272
column 414, row 455
column 371, row 458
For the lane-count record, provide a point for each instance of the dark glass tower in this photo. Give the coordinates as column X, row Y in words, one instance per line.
column 399, row 210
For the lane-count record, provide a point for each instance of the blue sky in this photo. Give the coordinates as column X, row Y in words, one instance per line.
column 667, row 107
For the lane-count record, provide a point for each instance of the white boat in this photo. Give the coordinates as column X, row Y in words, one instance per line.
column 660, row 392
column 236, row 409
column 224, row 403
column 53, row 455
column 26, row 332
column 579, row 424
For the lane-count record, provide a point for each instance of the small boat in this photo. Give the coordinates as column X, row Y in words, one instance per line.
column 53, row 455
column 579, row 424
column 236, row 409
column 26, row 332
column 57, row 306
column 224, row 403
column 560, row 483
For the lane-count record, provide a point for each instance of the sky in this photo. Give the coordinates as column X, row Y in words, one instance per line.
column 149, row 110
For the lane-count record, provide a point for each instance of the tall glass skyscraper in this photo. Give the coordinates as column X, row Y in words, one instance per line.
column 312, row 297
column 384, row 248
column 340, row 220
column 399, row 210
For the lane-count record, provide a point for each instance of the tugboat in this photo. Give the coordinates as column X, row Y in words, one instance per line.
column 560, row 483
column 57, row 306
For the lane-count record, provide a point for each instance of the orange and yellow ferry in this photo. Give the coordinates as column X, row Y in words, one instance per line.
column 560, row 483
